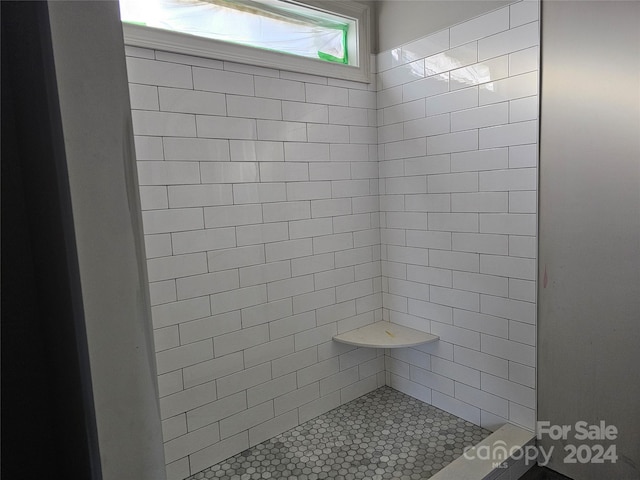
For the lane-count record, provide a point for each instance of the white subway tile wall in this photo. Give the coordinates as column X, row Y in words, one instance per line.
column 261, row 218
column 280, row 209
column 458, row 213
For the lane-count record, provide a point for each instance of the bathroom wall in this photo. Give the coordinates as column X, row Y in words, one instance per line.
column 590, row 231
column 259, row 196
column 457, row 113
column 91, row 85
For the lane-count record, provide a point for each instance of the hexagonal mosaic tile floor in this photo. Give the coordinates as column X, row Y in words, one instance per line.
column 382, row 435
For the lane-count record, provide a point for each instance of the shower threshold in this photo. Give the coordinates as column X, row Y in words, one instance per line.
column 382, row 435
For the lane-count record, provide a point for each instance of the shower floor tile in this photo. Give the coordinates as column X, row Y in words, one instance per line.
column 382, row 435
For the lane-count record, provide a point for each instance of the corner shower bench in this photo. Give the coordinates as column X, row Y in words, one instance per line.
column 385, row 335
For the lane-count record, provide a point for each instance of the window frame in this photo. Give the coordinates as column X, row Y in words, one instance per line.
column 175, row 42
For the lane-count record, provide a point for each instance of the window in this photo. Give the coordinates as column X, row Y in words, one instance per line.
column 275, row 33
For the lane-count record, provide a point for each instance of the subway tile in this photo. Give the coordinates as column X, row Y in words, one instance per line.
column 286, row 326
column 295, row 361
column 522, row 290
column 148, row 148
column 507, row 349
column 508, row 308
column 452, row 142
column 309, row 191
column 429, row 275
column 453, row 101
column 312, row 264
column 428, row 165
column 282, row 131
column 486, row 401
column 152, row 72
column 453, row 183
column 166, row 338
column 480, row 202
column 523, row 109
column 522, row 332
column 480, row 283
column 235, row 257
column 481, row 361
column 186, row 400
column 251, row 69
column 246, row 419
column 224, row 82
column 217, row 453
column 203, row 240
column 232, row 215
column 466, row 262
column 191, row 101
column 267, row 352
column 319, row 406
column 511, row 391
column 191, row 442
column 256, row 151
column 486, row 116
column 174, row 427
column 315, row 336
column 158, row 245
column 306, row 152
column 209, row 327
column 289, row 287
column 326, row 133
column 166, row 268
column 168, row 173
column 480, row 243
column 184, row 196
column 452, row 297
column 243, row 380
column 284, row 172
column 273, row 427
column 423, row 47
column 227, row 127
column 266, row 312
column 509, row 41
column 351, row 153
column 491, row 159
column 237, row 299
column 139, row 52
column 508, row 223
column 511, row 88
column 178, row 312
column 196, row 149
column 188, row 60
column 522, row 156
column 170, row 383
column 453, row 222
column 201, row 285
column 483, row 72
column 210, row 370
column 297, row 398
column 143, row 97
column 524, row 61
column 401, row 74
column 455, row 57
column 279, row 89
column 305, row 112
column 524, row 12
column 522, row 268
column 479, row 322
column 153, row 197
column 348, row 116
column 262, row 233
column 229, row 172
column 216, row 411
column 431, row 380
column 434, row 125
column 163, row 124
column 288, row 249
column 483, row 26
column 259, row 193
column 333, row 170
column 326, row 94
column 162, row 292
column 523, row 202
column 253, row 107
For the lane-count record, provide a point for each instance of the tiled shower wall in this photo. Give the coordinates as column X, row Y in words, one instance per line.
column 261, row 219
column 266, row 215
column 457, row 139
